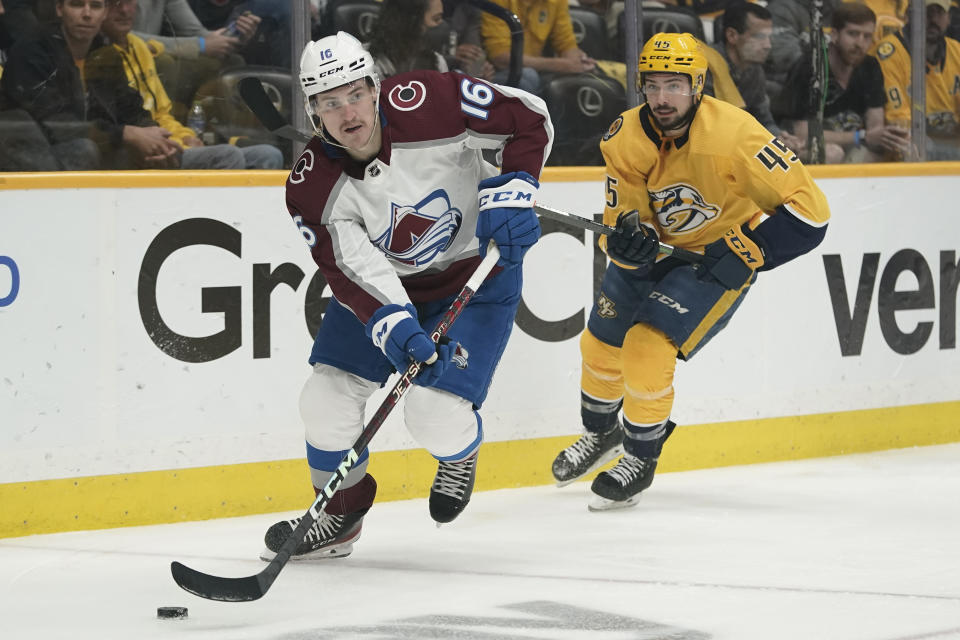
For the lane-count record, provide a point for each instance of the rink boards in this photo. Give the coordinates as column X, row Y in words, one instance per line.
column 154, row 333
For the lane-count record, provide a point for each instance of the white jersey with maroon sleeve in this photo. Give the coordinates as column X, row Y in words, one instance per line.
column 402, row 228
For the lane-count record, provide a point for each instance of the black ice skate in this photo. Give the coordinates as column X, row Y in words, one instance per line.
column 621, row 486
column 332, row 535
column 329, row 537
column 452, row 488
column 587, row 454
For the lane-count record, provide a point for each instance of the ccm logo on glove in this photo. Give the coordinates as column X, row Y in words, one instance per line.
column 745, row 248
column 506, row 199
column 507, row 217
column 517, row 189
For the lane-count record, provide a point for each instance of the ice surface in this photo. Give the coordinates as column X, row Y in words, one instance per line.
column 856, row 547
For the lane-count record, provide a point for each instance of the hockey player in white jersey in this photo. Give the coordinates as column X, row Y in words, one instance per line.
column 397, row 206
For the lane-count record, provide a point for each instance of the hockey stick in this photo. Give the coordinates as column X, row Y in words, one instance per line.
column 253, row 587
column 251, row 90
column 588, row 224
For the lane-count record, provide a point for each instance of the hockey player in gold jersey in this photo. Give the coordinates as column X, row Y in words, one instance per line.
column 700, row 174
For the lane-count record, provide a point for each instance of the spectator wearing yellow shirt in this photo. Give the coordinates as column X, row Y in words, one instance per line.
column 543, row 21
column 142, row 75
column 942, row 81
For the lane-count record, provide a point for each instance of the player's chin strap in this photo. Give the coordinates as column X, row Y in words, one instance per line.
column 687, row 119
column 330, row 140
column 684, row 122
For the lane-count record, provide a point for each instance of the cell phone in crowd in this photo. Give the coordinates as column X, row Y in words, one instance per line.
column 231, row 30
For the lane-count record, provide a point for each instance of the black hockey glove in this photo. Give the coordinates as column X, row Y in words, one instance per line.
column 633, row 244
column 732, row 259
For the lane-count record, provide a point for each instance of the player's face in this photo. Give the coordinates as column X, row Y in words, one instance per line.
column 434, row 14
column 82, row 18
column 754, row 43
column 853, row 41
column 669, row 97
column 348, row 113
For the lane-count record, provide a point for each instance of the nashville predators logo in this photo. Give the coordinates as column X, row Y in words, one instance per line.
column 681, row 209
column 614, row 128
column 606, row 308
column 885, row 50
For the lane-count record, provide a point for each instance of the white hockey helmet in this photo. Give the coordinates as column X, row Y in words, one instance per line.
column 334, row 61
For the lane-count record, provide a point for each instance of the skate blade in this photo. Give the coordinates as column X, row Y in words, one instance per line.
column 605, row 504
column 339, row 551
column 616, row 452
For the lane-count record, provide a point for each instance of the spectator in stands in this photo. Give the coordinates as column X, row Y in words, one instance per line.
column 87, row 111
column 193, row 54
column 19, row 19
column 943, row 78
column 746, row 43
column 543, row 21
column 270, row 42
column 791, row 38
column 853, row 124
column 141, row 73
column 190, row 38
column 953, row 30
column 460, row 40
column 889, row 15
column 23, row 147
column 398, row 44
column 5, row 38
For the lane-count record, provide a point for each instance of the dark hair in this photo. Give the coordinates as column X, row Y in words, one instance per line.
column 735, row 17
column 852, row 13
column 399, row 35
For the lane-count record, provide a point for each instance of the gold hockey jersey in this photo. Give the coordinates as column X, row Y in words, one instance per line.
column 942, row 90
column 726, row 170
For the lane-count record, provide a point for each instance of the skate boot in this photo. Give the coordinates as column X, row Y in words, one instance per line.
column 332, row 534
column 452, row 488
column 587, row 454
column 621, row 486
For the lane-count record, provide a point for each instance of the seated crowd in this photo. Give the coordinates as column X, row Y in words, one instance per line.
column 127, row 84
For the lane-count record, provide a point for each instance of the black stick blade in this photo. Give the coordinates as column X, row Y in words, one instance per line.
column 216, row 588
column 257, row 100
column 251, row 90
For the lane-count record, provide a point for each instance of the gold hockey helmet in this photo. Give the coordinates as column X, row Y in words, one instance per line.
column 675, row 53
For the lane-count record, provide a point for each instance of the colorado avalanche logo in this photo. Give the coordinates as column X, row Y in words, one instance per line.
column 407, row 97
column 681, row 209
column 304, row 164
column 460, row 356
column 419, row 233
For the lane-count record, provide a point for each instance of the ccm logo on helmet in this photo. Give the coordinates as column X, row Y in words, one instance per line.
column 329, row 72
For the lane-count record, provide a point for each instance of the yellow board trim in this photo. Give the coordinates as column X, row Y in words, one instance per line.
column 141, row 179
column 251, row 178
column 156, row 497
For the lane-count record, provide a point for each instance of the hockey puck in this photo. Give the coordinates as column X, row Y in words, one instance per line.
column 172, row 612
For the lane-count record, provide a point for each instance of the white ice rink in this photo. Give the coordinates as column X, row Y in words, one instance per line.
column 858, row 547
